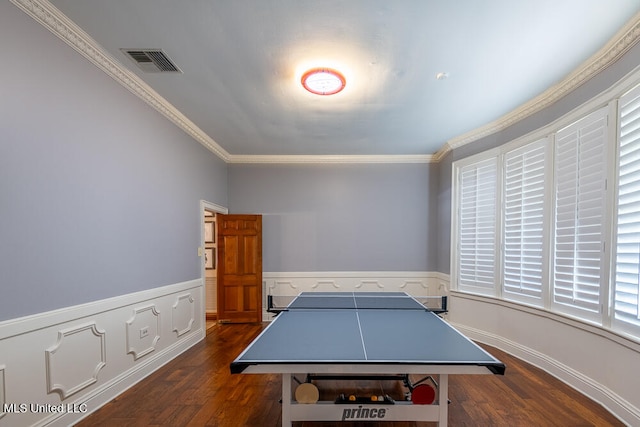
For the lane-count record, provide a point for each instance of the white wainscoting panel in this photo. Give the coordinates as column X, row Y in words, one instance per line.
column 370, row 285
column 325, row 285
column 143, row 331
column 77, row 359
column 74, row 362
column 183, row 314
column 417, row 283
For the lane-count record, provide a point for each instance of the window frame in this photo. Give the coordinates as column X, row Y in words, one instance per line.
column 614, row 323
column 546, row 134
column 523, row 297
column 456, row 202
column 581, row 309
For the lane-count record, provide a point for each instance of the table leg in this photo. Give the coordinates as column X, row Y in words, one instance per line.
column 443, row 399
column 286, row 400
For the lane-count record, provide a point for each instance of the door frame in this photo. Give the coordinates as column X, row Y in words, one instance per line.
column 211, row 207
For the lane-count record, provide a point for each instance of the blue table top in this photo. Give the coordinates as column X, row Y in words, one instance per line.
column 356, row 329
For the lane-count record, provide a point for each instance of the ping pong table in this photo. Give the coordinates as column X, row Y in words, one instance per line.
column 352, row 334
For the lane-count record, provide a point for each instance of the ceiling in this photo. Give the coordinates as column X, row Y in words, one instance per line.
column 241, row 63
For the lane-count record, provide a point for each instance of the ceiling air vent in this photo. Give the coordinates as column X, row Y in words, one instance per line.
column 151, row 60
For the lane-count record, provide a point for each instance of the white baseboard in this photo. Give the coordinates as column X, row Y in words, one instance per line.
column 590, row 357
column 617, row 405
column 58, row 367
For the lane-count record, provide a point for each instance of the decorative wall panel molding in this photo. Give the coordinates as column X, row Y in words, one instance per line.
column 74, row 362
column 292, row 283
column 280, row 287
column 417, row 283
column 58, row 353
column 183, row 314
column 325, row 285
column 143, row 331
column 415, row 287
column 370, row 285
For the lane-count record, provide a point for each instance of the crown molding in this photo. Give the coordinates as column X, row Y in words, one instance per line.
column 324, row 159
column 55, row 21
column 624, row 40
column 439, row 155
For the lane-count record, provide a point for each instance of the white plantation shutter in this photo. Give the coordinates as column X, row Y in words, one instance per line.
column 537, row 224
column 523, row 235
column 477, row 226
column 580, row 183
column 627, row 274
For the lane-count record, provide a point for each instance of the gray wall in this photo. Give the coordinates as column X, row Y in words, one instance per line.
column 99, row 194
column 443, row 214
column 341, row 217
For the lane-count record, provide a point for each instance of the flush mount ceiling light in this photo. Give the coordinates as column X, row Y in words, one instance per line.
column 323, row 81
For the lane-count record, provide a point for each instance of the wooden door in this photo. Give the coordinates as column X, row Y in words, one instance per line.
column 239, row 268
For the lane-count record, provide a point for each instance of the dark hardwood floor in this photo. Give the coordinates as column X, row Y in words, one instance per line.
column 196, row 389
